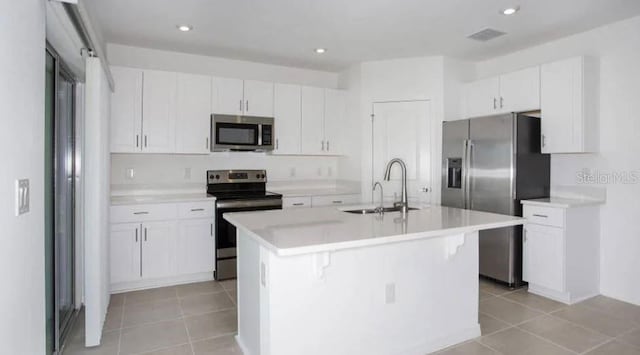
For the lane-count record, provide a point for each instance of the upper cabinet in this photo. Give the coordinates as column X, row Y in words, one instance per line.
column 193, row 120
column 569, row 106
column 159, row 111
column 517, row 91
column 312, row 121
column 242, row 97
column 126, row 110
column 287, row 117
column 335, row 110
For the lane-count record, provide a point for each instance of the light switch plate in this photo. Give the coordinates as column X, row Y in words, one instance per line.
column 22, row 196
column 129, row 173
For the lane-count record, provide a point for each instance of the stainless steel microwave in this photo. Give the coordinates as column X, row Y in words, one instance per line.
column 244, row 133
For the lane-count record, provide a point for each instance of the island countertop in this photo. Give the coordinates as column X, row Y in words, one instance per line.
column 311, row 230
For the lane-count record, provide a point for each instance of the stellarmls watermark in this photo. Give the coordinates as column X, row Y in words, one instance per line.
column 604, row 177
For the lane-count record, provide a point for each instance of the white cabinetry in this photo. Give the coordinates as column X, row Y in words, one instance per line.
column 320, row 200
column 296, row 202
column 194, row 113
column 312, row 120
column 161, row 244
column 561, row 251
column 517, row 91
column 159, row 111
column 287, row 117
column 126, row 110
column 335, row 108
column 569, row 106
column 242, row 97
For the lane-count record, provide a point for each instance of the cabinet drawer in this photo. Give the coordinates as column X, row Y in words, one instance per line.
column 296, row 202
column 548, row 216
column 335, row 200
column 196, row 209
column 142, row 213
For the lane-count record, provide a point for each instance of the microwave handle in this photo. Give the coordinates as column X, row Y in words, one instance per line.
column 260, row 135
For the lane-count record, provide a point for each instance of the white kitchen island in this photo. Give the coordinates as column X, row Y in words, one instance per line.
column 323, row 281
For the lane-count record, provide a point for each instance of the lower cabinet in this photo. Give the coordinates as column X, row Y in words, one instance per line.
column 321, row 200
column 196, row 246
column 544, row 256
column 161, row 244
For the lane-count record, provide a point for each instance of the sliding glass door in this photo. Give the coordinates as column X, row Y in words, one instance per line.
column 60, row 191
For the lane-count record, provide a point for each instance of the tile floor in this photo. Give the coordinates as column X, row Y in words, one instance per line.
column 201, row 319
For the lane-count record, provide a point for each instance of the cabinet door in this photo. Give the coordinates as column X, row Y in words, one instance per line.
column 335, row 107
column 544, row 256
column 124, row 249
column 126, row 110
column 520, row 91
column 228, row 96
column 312, row 121
column 194, row 113
column 159, row 111
column 287, row 117
column 561, row 106
column 196, row 246
column 482, row 97
column 258, row 98
column 158, row 249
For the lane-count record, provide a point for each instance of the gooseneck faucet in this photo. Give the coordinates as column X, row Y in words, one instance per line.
column 379, row 209
column 404, row 205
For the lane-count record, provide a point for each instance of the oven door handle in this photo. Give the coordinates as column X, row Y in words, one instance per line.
column 230, row 204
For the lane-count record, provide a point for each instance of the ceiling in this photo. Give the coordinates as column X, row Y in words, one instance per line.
column 286, row 32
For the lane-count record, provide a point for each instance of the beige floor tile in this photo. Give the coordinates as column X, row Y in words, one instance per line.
column 153, row 336
column 116, row 300
column 109, row 345
column 234, row 296
column 224, row 345
column 199, row 288
column 596, row 320
column 632, row 338
column 113, row 319
column 615, row 348
column 514, row 341
column 184, row 349
column 211, row 325
column 493, row 288
column 614, row 307
column 149, row 312
column 490, row 325
column 468, row 348
column 507, row 311
column 205, row 303
column 153, row 294
column 534, row 301
column 566, row 334
column 229, row 284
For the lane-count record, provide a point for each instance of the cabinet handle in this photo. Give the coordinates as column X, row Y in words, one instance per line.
column 299, row 204
column 495, row 103
column 197, row 209
column 141, row 212
column 337, row 201
column 247, row 106
column 145, row 140
column 137, row 140
column 145, row 234
column 540, row 215
column 323, row 146
column 277, row 144
column 207, row 143
column 501, row 100
column 544, row 140
column 211, row 231
column 327, row 146
column 240, row 105
column 136, row 234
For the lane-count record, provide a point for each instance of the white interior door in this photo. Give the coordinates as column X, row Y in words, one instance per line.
column 402, row 130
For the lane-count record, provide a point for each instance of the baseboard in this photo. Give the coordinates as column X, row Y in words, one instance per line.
column 244, row 349
column 161, row 282
column 446, row 341
column 563, row 297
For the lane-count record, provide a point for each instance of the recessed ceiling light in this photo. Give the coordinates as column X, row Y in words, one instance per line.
column 510, row 10
column 320, row 50
column 184, row 28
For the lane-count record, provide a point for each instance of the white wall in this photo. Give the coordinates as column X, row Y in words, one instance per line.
column 96, row 192
column 190, row 63
column 22, row 69
column 617, row 47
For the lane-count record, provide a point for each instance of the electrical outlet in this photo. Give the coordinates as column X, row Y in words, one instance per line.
column 22, row 196
column 390, row 293
column 187, row 173
column 129, row 173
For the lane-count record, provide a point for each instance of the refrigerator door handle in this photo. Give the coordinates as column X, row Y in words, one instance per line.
column 465, row 172
column 468, row 162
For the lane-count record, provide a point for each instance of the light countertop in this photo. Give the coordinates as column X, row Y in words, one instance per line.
column 562, row 202
column 311, row 230
column 314, row 191
column 160, row 198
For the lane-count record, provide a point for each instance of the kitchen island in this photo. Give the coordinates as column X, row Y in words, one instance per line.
column 324, row 281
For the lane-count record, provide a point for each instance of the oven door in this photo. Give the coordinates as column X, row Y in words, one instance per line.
column 226, row 232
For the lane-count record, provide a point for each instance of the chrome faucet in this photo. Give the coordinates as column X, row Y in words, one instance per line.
column 379, row 209
column 403, row 204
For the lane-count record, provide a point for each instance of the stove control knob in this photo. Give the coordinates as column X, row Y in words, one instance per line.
column 264, row 176
column 210, row 176
column 257, row 176
column 217, row 177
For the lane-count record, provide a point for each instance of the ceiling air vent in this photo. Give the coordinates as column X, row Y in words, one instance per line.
column 486, row 35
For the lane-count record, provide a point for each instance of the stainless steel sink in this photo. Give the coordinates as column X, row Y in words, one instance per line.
column 373, row 210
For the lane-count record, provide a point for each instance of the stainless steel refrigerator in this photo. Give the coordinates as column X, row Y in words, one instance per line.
column 490, row 164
